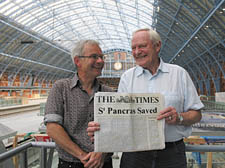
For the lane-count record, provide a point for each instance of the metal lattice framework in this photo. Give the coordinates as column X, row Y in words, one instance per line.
column 36, row 36
column 193, row 37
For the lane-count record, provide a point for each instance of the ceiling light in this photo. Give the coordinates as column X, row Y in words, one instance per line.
column 27, row 42
column 158, row 8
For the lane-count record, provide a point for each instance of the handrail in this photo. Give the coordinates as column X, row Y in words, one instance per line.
column 205, row 148
column 13, row 152
column 189, row 148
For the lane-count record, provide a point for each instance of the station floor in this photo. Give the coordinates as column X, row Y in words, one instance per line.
column 25, row 122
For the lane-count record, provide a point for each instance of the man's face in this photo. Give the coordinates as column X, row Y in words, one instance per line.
column 143, row 50
column 91, row 66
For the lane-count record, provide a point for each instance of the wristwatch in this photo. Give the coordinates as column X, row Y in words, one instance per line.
column 181, row 119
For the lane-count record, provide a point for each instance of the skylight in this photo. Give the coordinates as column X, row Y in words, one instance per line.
column 66, row 21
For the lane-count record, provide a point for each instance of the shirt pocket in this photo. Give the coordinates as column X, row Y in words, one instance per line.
column 174, row 99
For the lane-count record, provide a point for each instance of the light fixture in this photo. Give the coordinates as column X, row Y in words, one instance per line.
column 27, row 42
column 117, row 65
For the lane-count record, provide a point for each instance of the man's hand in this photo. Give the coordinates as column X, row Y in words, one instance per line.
column 93, row 160
column 92, row 127
column 170, row 115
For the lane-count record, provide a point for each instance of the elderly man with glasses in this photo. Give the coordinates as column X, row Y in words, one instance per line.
column 70, row 107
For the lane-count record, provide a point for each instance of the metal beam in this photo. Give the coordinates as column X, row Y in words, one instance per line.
column 196, row 31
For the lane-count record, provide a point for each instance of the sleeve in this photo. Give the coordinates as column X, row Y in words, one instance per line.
column 191, row 98
column 54, row 107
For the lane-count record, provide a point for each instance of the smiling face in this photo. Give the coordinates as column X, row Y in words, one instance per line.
column 144, row 51
column 91, row 67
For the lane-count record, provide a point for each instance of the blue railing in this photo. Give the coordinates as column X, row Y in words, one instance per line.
column 47, row 157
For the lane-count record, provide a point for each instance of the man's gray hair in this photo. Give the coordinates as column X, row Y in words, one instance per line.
column 79, row 46
column 153, row 35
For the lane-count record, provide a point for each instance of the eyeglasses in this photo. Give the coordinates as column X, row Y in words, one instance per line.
column 94, row 56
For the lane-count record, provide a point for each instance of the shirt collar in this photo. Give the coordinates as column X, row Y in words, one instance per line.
column 162, row 68
column 75, row 82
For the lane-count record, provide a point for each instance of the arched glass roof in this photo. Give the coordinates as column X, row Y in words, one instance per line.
column 192, row 34
column 111, row 22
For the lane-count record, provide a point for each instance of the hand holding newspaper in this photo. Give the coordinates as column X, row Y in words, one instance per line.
column 128, row 122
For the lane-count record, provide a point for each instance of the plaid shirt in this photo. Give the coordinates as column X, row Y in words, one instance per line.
column 71, row 107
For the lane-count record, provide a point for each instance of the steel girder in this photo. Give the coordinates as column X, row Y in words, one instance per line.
column 27, row 54
column 203, row 25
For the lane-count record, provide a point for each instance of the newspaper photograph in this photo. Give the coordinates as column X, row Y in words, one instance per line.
column 128, row 122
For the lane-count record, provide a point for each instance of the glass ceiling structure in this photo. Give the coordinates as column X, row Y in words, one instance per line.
column 66, row 21
column 36, row 36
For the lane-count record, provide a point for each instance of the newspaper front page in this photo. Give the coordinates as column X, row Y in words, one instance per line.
column 128, row 122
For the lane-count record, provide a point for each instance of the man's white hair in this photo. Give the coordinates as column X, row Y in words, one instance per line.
column 153, row 35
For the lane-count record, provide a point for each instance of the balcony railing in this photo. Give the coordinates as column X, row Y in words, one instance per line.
column 47, row 156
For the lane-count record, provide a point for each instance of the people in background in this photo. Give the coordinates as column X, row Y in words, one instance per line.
column 70, row 107
column 182, row 104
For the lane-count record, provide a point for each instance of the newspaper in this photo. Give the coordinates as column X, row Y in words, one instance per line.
column 128, row 122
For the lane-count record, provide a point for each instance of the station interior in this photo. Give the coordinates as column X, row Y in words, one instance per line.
column 36, row 39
